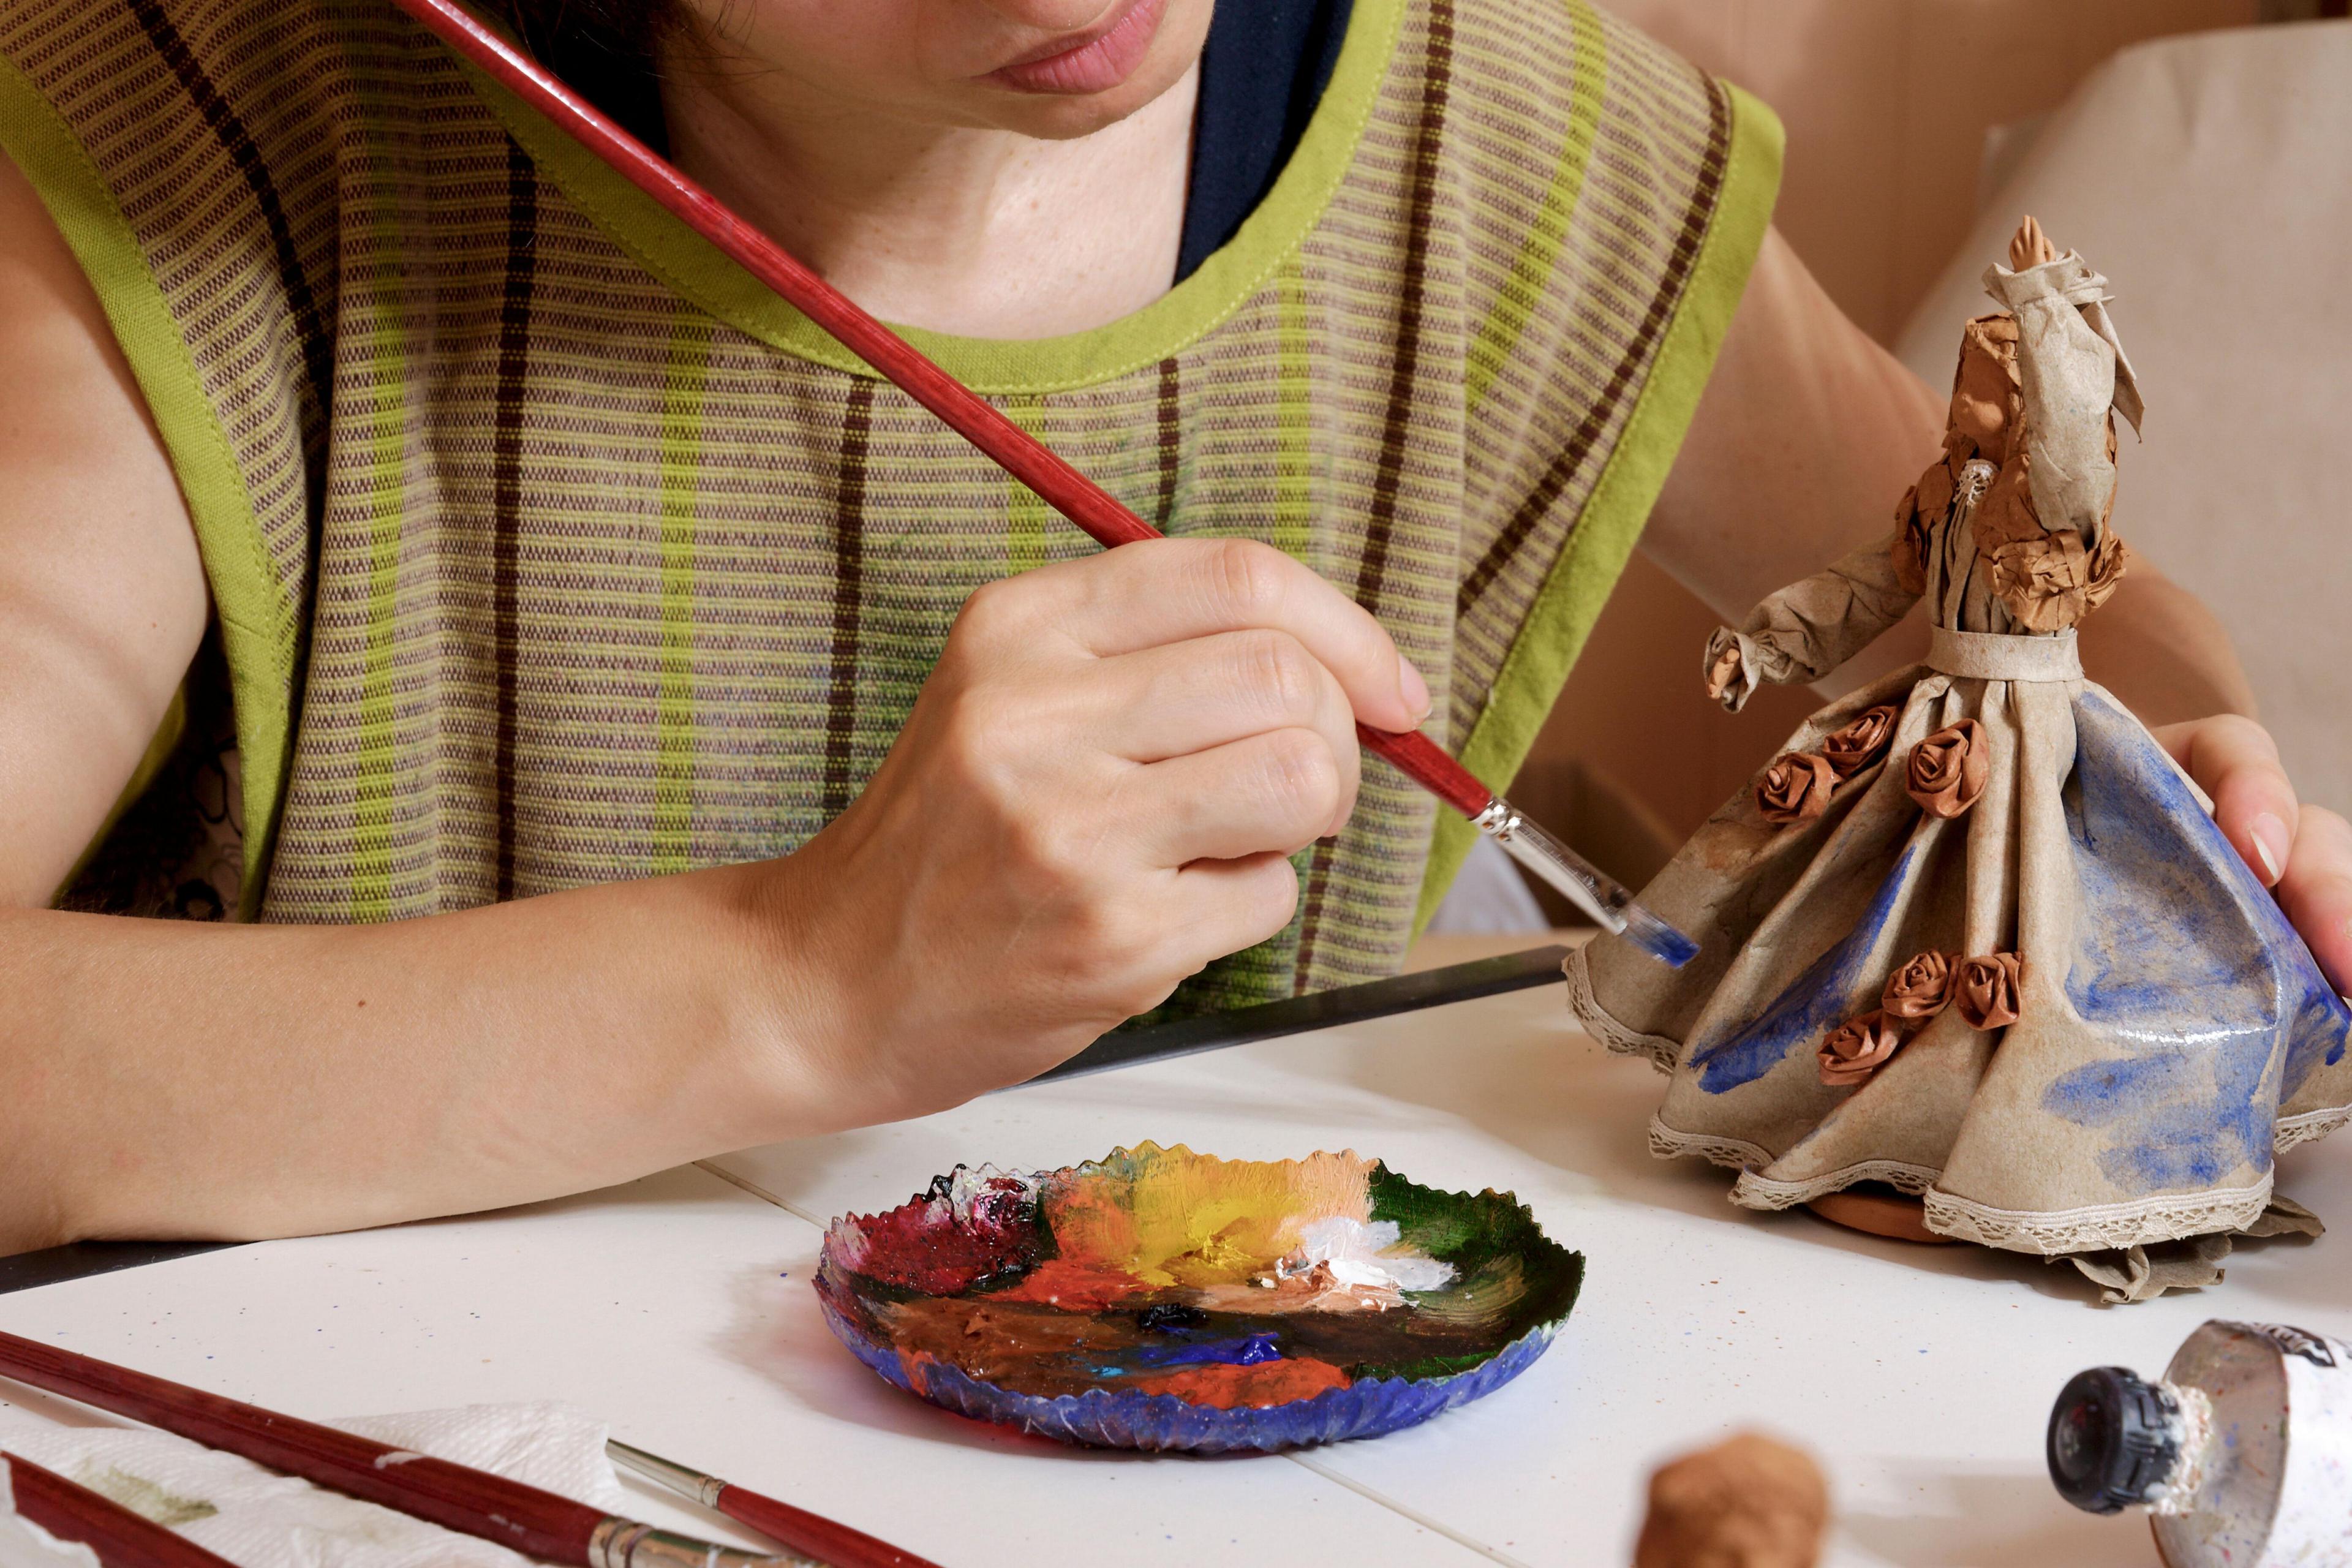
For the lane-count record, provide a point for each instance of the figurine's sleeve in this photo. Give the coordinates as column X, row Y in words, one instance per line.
column 1809, row 628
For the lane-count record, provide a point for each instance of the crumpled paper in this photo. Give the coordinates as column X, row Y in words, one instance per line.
column 2143, row 1273
column 260, row 1518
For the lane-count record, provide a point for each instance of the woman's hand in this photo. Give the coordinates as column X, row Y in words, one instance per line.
column 2305, row 852
column 1095, row 795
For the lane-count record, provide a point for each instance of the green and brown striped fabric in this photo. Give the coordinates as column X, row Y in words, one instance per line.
column 549, row 549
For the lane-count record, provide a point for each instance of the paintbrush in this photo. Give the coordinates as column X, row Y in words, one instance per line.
column 521, row 1517
column 75, row 1513
column 1025, row 458
column 834, row 1545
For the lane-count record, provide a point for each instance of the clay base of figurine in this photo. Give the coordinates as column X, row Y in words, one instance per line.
column 1897, row 1215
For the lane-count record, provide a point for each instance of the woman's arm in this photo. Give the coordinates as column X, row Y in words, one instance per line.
column 1805, row 438
column 1094, row 796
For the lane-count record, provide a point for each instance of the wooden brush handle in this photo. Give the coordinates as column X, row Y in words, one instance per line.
column 121, row 1538
column 1016, row 451
column 834, row 1545
column 521, row 1518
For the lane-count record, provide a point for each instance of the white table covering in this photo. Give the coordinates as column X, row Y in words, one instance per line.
column 679, row 1307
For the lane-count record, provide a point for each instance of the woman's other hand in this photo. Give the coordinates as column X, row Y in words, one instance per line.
column 2303, row 852
column 1095, row 795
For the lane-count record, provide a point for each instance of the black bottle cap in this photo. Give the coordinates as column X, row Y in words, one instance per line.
column 2114, row 1438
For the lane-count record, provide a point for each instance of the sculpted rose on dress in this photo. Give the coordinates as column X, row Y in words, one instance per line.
column 1795, row 789
column 1947, row 769
column 1921, row 988
column 1857, row 1049
column 1862, row 741
column 1988, row 990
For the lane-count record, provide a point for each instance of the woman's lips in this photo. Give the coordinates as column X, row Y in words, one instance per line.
column 1094, row 63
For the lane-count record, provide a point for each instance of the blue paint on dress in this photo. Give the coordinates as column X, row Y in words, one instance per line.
column 2182, row 959
column 1835, row 987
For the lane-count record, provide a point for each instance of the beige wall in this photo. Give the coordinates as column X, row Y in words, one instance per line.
column 1889, row 104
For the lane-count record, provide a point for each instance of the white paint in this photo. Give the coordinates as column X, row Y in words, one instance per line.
column 1921, row 1376
column 2271, row 1485
column 397, row 1457
column 1364, row 1256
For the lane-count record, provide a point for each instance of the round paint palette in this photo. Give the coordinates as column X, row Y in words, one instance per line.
column 1159, row 1298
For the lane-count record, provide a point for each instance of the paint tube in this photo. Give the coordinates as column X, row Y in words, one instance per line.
column 2241, row 1455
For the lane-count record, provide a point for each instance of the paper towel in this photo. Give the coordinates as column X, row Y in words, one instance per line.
column 258, row 1518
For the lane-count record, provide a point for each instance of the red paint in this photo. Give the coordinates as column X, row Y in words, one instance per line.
column 1074, row 1287
column 1013, row 450
column 1268, row 1382
column 925, row 1246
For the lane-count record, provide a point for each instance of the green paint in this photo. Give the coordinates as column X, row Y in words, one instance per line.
column 1498, row 336
column 681, row 446
column 144, row 1497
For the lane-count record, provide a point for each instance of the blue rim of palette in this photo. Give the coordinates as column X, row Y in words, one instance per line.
column 994, row 1237
column 1102, row 1419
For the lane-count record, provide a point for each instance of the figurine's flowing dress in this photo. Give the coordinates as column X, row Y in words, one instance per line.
column 2172, row 1029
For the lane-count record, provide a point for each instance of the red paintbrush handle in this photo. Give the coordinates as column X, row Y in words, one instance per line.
column 1021, row 455
column 836, row 1545
column 121, row 1538
column 1029, row 460
column 522, row 1518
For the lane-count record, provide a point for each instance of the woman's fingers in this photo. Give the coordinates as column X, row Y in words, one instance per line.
column 1273, row 792
column 1187, row 697
column 1176, row 589
column 2235, row 761
column 1224, row 906
column 2316, row 891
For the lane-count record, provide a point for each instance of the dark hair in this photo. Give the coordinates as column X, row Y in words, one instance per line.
column 605, row 49
column 630, row 28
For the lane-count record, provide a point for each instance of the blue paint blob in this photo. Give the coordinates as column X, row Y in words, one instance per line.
column 1835, row 986
column 1248, row 1351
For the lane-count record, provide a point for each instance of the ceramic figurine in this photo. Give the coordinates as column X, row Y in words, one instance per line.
column 1974, row 934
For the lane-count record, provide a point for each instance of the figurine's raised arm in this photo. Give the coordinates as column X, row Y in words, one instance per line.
column 1810, row 627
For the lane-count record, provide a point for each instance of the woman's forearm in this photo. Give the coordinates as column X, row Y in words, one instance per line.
column 166, row 1079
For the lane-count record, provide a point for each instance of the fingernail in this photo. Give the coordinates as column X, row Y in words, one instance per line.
column 1415, row 689
column 2272, row 843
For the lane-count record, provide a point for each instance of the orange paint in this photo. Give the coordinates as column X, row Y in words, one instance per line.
column 1074, row 1286
column 1268, row 1382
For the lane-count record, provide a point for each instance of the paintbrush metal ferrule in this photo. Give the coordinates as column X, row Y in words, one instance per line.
column 666, row 1473
column 1607, row 901
column 828, row 1543
column 511, row 1514
column 625, row 1544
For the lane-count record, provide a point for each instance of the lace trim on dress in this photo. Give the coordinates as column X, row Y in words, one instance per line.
column 1668, row 1143
column 2308, row 1127
column 2100, row 1227
column 1656, row 1049
column 1755, row 1192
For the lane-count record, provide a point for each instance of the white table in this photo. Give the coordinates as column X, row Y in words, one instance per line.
column 679, row 1307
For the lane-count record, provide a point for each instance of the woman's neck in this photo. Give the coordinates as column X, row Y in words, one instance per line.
column 971, row 230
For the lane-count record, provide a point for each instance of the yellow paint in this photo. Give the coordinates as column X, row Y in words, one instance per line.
column 1173, row 1218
